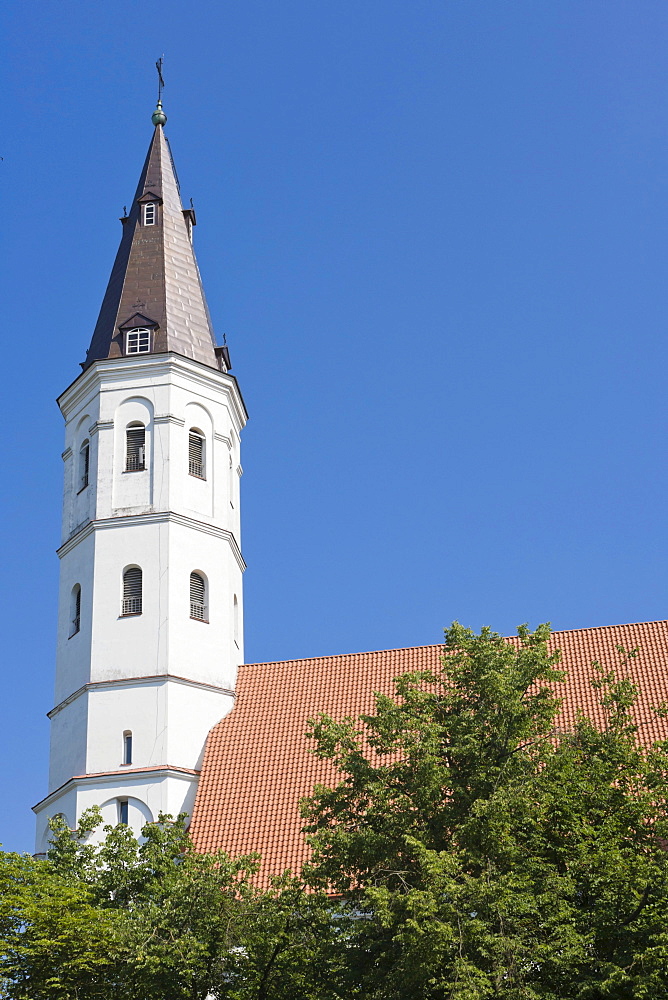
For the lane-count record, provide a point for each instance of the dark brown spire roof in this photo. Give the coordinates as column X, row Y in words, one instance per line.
column 155, row 281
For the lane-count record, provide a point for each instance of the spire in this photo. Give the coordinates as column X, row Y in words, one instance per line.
column 155, row 283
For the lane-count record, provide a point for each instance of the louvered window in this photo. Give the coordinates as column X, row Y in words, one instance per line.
column 135, row 449
column 132, row 587
column 149, row 214
column 196, row 454
column 138, row 341
column 127, row 747
column 76, row 610
column 197, row 597
column 84, row 465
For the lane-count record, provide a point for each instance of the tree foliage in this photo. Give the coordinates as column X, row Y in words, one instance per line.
column 151, row 919
column 475, row 846
column 487, row 852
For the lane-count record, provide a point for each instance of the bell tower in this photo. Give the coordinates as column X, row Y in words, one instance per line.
column 150, row 606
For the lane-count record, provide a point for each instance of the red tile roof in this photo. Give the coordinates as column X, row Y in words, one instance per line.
column 257, row 763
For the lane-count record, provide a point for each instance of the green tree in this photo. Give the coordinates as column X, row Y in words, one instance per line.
column 54, row 941
column 179, row 914
column 472, row 849
column 483, row 851
column 294, row 947
column 152, row 919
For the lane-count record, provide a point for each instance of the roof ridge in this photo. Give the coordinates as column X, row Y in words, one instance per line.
column 435, row 645
column 600, row 628
column 338, row 656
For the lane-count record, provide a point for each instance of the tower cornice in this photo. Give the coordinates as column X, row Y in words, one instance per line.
column 146, row 518
column 137, row 682
column 111, row 778
column 138, row 369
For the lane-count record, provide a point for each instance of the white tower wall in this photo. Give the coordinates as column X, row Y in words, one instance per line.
column 161, row 675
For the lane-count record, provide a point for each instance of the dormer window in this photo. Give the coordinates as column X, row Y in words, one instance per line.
column 150, row 213
column 138, row 341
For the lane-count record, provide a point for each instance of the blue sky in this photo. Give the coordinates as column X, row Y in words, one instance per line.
column 435, row 236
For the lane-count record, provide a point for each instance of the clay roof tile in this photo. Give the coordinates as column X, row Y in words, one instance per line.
column 257, row 762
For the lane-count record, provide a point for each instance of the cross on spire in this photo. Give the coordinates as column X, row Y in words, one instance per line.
column 159, row 117
column 161, row 82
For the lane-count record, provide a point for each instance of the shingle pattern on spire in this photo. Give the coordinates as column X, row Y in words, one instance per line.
column 257, row 763
column 155, row 275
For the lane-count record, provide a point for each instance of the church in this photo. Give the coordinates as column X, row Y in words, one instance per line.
column 154, row 709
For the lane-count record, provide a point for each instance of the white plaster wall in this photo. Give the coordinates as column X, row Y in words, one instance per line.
column 163, row 639
column 198, row 494
column 69, row 729
column 205, row 651
column 133, row 491
column 139, row 812
column 166, row 392
column 136, row 645
column 140, row 708
column 78, row 504
column 82, row 498
column 169, row 722
column 66, row 805
column 147, row 795
column 170, row 524
column 192, row 712
column 73, row 652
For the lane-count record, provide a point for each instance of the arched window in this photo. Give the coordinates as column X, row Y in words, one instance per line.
column 196, row 453
column 84, row 465
column 149, row 213
column 135, row 448
column 138, row 341
column 127, row 747
column 132, row 588
column 198, row 597
column 75, row 617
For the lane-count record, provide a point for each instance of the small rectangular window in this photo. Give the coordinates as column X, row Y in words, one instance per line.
column 132, row 591
column 149, row 214
column 76, row 610
column 135, row 449
column 127, row 748
column 123, row 811
column 197, row 597
column 84, row 465
column 196, row 455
